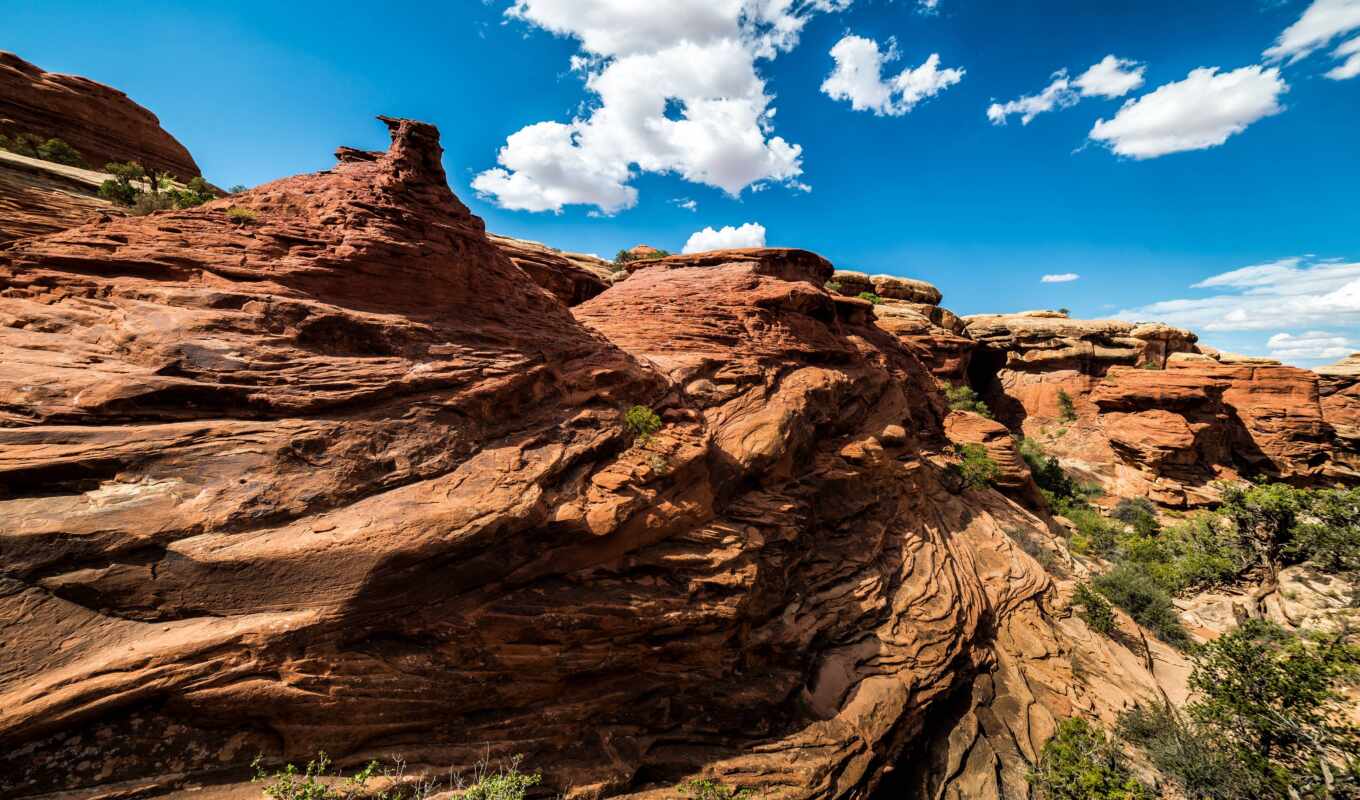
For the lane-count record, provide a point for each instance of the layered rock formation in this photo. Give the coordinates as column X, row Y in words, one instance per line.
column 911, row 309
column 38, row 197
column 343, row 477
column 572, row 278
column 99, row 121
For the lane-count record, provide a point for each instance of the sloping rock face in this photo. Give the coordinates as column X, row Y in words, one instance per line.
column 1014, row 477
column 1339, row 388
column 38, row 197
column 293, row 483
column 911, row 309
column 572, row 278
column 99, row 121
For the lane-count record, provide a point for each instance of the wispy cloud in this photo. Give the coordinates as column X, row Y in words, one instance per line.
column 1061, row 277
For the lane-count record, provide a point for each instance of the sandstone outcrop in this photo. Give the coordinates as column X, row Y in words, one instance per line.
column 99, row 121
column 38, row 197
column 1014, row 478
column 293, row 483
column 911, row 310
column 572, row 278
column 1339, row 388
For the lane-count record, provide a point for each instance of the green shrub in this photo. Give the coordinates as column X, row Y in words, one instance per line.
column 505, row 783
column 1059, row 490
column 237, row 188
column 712, row 790
column 975, row 467
column 195, row 192
column 1095, row 609
column 963, row 398
column 1329, row 532
column 870, row 296
column 1080, row 763
column 1144, row 598
column 832, row 286
column 1140, row 513
column 1067, row 412
column 1278, row 699
column 1095, row 534
column 59, row 152
column 1201, row 765
column 146, row 202
column 23, row 144
column 316, row 782
column 642, row 421
column 242, row 215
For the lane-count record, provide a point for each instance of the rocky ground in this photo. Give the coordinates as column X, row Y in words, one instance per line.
column 323, row 465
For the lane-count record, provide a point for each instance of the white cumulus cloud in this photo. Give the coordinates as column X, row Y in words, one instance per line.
column 1196, row 113
column 751, row 234
column 1321, row 23
column 1288, row 293
column 858, row 77
column 1062, row 277
column 1111, row 77
column 1309, row 346
column 672, row 93
column 1058, row 94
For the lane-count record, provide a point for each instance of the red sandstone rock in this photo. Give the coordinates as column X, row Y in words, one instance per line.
column 38, row 197
column 100, row 122
column 966, row 427
column 572, row 278
column 294, row 483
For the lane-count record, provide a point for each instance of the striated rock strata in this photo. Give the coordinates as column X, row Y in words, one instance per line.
column 295, row 483
column 99, row 121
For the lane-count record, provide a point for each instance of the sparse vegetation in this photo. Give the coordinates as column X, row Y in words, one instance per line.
column 143, row 191
column 1268, row 719
column 643, row 422
column 1146, row 600
column 34, row 146
column 1140, row 513
column 963, row 398
column 237, row 188
column 242, row 215
column 712, row 790
column 1059, row 490
column 1067, row 412
column 870, row 296
column 377, row 782
column 1095, row 609
column 1080, row 763
column 975, row 467
column 832, row 286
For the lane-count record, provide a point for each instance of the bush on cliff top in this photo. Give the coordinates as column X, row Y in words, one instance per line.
column 55, row 150
column 963, row 398
column 628, row 256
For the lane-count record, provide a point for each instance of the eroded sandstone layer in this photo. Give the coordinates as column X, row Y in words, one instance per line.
column 341, row 476
column 101, row 122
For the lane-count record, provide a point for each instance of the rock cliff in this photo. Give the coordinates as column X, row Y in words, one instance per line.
column 337, row 474
column 102, row 123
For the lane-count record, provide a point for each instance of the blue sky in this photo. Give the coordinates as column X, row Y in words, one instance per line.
column 909, row 178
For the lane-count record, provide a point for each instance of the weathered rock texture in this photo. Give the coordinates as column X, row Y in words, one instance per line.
column 572, row 278
column 99, row 121
column 38, row 197
column 911, row 309
column 343, row 477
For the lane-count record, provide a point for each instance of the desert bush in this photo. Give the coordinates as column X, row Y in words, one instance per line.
column 195, row 192
column 1059, row 490
column 242, row 215
column 1067, row 412
column 34, row 146
column 1138, row 512
column 1329, row 532
column 146, row 202
column 1080, row 763
column 317, row 782
column 120, row 189
column 1095, row 534
column 1095, row 609
column 963, row 398
column 1276, row 697
column 237, row 188
column 870, row 296
column 712, row 790
column 832, row 286
column 1201, row 765
column 1144, row 598
column 642, row 421
column 975, row 467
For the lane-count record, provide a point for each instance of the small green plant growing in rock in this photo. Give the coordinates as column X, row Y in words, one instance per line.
column 120, row 189
column 504, row 783
column 963, row 398
column 975, row 467
column 241, row 215
column 712, row 790
column 871, row 297
column 1095, row 609
column 1081, row 763
column 643, row 422
column 627, row 256
column 1067, row 412
column 832, row 286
